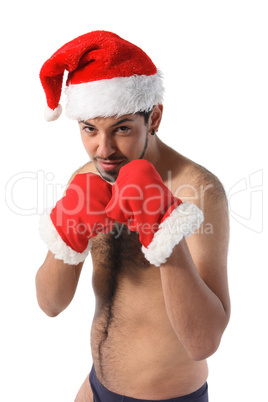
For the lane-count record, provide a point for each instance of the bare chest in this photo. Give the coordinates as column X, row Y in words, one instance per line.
column 116, row 255
column 122, row 279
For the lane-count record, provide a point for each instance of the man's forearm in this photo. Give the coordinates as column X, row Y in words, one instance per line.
column 56, row 284
column 196, row 314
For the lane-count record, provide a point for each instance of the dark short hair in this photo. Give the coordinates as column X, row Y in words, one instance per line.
column 146, row 115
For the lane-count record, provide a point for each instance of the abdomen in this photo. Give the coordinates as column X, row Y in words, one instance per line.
column 135, row 350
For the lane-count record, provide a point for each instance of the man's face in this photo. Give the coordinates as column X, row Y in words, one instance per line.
column 113, row 142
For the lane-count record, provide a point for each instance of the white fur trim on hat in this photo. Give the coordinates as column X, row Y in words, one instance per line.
column 51, row 115
column 56, row 245
column 114, row 97
column 182, row 222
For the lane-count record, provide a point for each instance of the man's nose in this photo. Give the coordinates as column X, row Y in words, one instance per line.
column 106, row 146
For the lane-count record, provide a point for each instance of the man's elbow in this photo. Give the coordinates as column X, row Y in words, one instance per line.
column 204, row 350
column 47, row 300
column 46, row 305
column 48, row 310
column 207, row 345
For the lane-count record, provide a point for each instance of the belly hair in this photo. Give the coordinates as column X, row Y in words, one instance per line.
column 115, row 253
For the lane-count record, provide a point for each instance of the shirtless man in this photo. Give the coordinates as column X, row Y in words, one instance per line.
column 156, row 320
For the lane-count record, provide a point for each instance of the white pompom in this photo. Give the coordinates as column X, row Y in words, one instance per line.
column 52, row 115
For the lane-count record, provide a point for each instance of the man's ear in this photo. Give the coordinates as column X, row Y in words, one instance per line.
column 155, row 118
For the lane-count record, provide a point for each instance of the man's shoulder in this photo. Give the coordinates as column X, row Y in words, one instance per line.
column 192, row 180
column 203, row 178
column 87, row 168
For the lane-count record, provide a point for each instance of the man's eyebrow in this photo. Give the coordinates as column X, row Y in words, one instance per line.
column 114, row 125
column 121, row 121
column 86, row 123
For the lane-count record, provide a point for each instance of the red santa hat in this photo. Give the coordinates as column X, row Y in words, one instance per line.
column 108, row 76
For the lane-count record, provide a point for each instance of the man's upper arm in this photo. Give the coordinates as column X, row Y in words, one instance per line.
column 209, row 245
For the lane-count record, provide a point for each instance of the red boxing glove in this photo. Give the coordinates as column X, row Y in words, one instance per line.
column 142, row 201
column 77, row 217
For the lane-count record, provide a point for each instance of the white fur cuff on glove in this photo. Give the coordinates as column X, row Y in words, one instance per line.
column 182, row 222
column 56, row 245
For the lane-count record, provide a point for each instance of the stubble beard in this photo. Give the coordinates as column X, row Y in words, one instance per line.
column 112, row 175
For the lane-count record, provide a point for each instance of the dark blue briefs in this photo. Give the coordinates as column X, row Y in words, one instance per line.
column 102, row 394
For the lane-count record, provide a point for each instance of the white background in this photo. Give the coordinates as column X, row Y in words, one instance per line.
column 214, row 58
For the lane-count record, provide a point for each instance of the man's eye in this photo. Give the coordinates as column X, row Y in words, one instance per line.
column 123, row 129
column 88, row 130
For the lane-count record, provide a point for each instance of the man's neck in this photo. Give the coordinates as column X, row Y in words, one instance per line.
column 154, row 151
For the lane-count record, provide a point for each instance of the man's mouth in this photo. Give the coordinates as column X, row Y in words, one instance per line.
column 110, row 165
